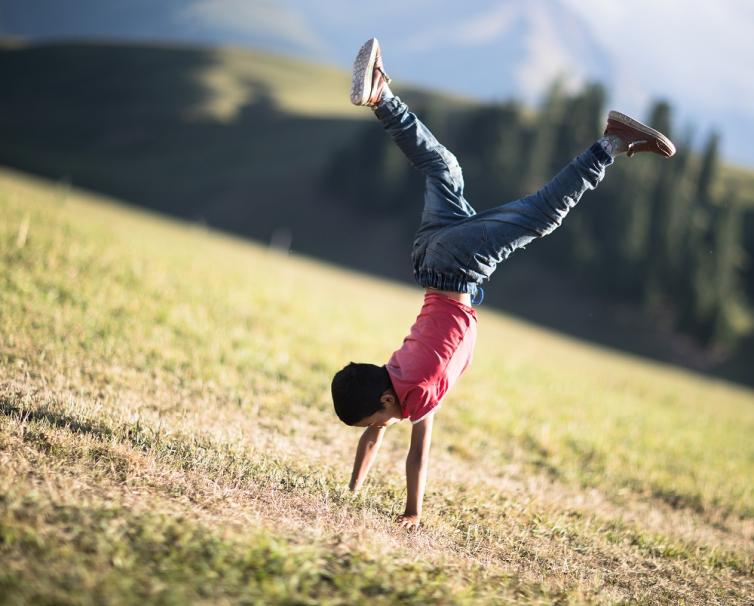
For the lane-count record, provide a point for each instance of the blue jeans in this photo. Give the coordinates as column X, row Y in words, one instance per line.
column 457, row 248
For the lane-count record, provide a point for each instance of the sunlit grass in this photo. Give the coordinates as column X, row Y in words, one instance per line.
column 166, row 435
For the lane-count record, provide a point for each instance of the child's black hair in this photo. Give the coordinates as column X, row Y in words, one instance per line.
column 356, row 391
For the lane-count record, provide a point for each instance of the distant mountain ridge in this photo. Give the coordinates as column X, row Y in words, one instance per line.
column 491, row 49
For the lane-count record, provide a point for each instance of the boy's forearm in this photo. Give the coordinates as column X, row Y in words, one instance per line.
column 416, row 481
column 417, row 467
column 366, row 451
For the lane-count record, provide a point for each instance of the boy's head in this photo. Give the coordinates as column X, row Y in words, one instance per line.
column 359, row 391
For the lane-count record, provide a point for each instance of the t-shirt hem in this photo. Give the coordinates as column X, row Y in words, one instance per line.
column 429, row 412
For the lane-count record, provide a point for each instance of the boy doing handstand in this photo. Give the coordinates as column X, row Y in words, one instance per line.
column 454, row 251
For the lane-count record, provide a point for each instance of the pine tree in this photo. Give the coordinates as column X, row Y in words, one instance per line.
column 698, row 315
column 544, row 138
column 580, row 124
column 490, row 149
column 747, row 222
column 727, row 264
column 666, row 179
column 678, row 218
column 709, row 169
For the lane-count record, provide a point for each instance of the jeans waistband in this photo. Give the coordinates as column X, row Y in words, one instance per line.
column 428, row 278
column 432, row 279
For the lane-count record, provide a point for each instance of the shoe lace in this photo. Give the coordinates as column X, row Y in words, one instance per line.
column 384, row 75
column 633, row 147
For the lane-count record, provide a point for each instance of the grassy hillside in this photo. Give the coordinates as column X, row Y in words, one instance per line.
column 233, row 138
column 166, row 436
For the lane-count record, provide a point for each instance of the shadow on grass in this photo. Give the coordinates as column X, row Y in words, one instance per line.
column 56, row 419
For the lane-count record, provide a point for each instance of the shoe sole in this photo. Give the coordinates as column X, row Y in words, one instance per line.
column 643, row 128
column 363, row 66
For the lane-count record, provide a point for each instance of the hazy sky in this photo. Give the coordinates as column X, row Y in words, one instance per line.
column 697, row 54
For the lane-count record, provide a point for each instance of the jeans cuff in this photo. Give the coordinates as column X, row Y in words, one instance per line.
column 602, row 156
column 387, row 108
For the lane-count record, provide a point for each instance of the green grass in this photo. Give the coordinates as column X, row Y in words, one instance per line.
column 166, row 436
column 125, row 557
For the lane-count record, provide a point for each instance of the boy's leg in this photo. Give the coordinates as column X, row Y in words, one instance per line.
column 444, row 202
column 471, row 249
column 515, row 224
column 491, row 236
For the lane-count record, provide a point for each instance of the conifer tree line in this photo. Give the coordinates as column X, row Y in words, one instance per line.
column 661, row 233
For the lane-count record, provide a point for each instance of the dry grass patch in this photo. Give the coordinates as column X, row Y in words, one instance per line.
column 161, row 388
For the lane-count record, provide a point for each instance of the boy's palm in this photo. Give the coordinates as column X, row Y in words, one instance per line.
column 408, row 521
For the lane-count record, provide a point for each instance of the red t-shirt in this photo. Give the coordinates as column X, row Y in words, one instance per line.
column 433, row 355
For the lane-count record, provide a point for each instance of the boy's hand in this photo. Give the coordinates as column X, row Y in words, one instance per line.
column 408, row 521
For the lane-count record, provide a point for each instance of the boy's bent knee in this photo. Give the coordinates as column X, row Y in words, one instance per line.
column 452, row 168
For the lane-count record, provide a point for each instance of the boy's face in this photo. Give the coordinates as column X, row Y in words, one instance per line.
column 381, row 418
column 390, row 413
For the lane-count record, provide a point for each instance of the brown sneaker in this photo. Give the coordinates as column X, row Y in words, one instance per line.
column 368, row 76
column 638, row 137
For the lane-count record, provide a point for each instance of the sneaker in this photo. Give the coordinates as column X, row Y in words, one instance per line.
column 638, row 137
column 368, row 76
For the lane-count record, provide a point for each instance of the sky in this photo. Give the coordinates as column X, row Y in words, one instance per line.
column 698, row 55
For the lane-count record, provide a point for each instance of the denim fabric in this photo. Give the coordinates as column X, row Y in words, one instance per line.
column 457, row 248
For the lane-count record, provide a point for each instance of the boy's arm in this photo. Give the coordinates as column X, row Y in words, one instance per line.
column 417, row 466
column 369, row 444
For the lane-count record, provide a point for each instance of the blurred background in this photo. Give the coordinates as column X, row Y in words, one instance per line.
column 235, row 114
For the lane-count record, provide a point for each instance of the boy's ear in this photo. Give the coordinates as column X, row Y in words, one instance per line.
column 388, row 398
